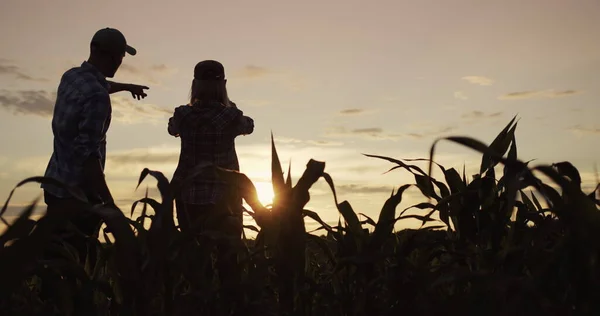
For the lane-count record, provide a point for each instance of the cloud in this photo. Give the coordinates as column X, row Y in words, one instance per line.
column 460, row 95
column 290, row 81
column 147, row 73
column 367, row 131
column 432, row 132
column 127, row 68
column 28, row 102
column 162, row 68
column 353, row 190
column 7, row 67
column 355, row 111
column 35, row 165
column 253, row 102
column 371, row 133
column 479, row 80
column 363, row 189
column 288, row 140
column 130, row 111
column 540, row 94
column 143, row 156
column 479, row 115
column 14, row 211
column 157, row 68
column 377, row 133
column 364, row 169
column 41, row 103
column 578, row 129
column 253, row 72
column 352, row 111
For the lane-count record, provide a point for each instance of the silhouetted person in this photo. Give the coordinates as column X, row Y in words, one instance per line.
column 82, row 116
column 207, row 126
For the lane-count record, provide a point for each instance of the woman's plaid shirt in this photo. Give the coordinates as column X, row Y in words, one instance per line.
column 207, row 134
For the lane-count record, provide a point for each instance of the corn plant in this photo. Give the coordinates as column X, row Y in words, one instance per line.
column 502, row 242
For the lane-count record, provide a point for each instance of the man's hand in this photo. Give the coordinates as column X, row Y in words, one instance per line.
column 137, row 91
column 108, row 200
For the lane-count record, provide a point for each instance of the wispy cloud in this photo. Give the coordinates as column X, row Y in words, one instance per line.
column 291, row 81
column 352, row 111
column 431, row 132
column 41, row 103
column 121, row 165
column 35, row 165
column 460, row 95
column 371, row 133
column 127, row 68
column 130, row 111
column 253, row 102
column 479, row 80
column 148, row 69
column 146, row 74
column 28, row 102
column 363, row 189
column 480, row 115
column 13, row 211
column 540, row 94
column 288, row 140
column 377, row 133
column 162, row 68
column 355, row 112
column 368, row 131
column 364, row 169
column 8, row 68
column 578, row 129
column 144, row 156
column 253, row 72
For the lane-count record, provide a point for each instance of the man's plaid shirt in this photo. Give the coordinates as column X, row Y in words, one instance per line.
column 207, row 133
column 82, row 115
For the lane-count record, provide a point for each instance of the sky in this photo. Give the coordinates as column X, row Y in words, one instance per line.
column 331, row 79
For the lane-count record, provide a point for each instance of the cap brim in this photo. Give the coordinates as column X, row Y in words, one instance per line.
column 130, row 50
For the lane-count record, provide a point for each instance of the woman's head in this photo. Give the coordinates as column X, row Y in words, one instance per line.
column 209, row 83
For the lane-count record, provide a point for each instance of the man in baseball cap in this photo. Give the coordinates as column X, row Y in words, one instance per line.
column 82, row 116
column 112, row 40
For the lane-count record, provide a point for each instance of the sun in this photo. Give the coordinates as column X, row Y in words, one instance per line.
column 265, row 192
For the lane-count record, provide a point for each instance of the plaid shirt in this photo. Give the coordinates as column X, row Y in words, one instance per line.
column 207, row 134
column 82, row 115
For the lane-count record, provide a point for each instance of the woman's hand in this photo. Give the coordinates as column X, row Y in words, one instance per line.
column 171, row 128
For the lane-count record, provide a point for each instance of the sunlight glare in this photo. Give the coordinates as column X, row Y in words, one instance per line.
column 265, row 192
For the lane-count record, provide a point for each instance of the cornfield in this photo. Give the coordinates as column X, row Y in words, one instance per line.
column 504, row 243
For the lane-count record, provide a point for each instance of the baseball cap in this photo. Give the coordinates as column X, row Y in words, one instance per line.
column 209, row 70
column 112, row 40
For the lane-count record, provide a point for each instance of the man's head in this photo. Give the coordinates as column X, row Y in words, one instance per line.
column 107, row 49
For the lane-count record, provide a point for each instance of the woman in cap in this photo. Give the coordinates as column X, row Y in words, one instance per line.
column 207, row 127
